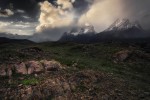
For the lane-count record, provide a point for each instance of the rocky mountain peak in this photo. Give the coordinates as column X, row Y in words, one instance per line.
column 87, row 28
column 123, row 24
column 84, row 29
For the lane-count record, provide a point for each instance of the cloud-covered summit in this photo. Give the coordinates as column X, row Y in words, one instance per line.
column 51, row 18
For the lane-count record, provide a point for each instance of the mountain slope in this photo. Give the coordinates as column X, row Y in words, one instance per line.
column 85, row 29
column 81, row 34
column 123, row 24
column 120, row 30
column 124, row 29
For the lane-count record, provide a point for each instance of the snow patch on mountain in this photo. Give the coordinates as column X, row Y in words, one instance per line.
column 85, row 29
column 123, row 24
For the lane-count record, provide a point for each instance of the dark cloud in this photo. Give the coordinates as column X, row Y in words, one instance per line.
column 30, row 6
column 49, row 35
column 132, row 9
column 138, row 10
column 81, row 6
column 18, row 4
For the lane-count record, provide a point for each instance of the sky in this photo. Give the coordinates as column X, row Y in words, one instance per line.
column 49, row 19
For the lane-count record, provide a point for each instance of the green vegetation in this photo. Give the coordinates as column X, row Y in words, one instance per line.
column 30, row 81
column 96, row 56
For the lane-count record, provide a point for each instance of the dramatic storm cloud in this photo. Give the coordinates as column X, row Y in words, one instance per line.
column 81, row 6
column 138, row 10
column 49, row 19
column 55, row 17
column 103, row 12
column 54, row 20
column 20, row 28
column 16, row 22
column 6, row 13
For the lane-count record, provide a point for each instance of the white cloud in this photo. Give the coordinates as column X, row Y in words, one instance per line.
column 20, row 28
column 103, row 13
column 52, row 17
column 6, row 13
column 26, row 17
column 20, row 11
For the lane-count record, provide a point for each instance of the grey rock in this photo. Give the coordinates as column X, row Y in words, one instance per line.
column 34, row 67
column 121, row 55
column 21, row 68
column 3, row 72
column 51, row 65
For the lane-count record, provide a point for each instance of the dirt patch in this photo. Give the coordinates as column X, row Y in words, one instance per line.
column 76, row 85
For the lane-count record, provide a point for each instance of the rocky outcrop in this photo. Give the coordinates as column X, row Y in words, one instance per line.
column 30, row 67
column 77, row 85
column 9, row 72
column 21, row 68
column 130, row 55
column 121, row 55
column 51, row 65
column 3, row 71
column 34, row 67
column 6, row 71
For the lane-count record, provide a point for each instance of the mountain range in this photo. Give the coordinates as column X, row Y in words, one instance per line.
column 123, row 24
column 8, row 40
column 121, row 29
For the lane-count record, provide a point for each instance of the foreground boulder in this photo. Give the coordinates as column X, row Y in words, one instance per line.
column 9, row 72
column 34, row 67
column 121, row 55
column 130, row 55
column 3, row 71
column 51, row 65
column 6, row 71
column 30, row 67
column 21, row 68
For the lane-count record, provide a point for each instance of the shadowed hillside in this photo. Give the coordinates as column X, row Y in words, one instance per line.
column 83, row 71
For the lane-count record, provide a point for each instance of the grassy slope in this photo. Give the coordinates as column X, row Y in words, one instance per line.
column 87, row 56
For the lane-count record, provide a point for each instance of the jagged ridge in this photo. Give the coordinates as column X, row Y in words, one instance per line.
column 123, row 24
column 85, row 29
